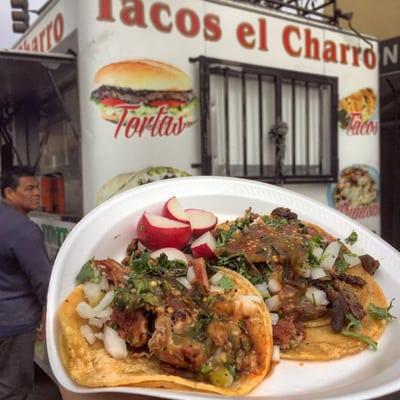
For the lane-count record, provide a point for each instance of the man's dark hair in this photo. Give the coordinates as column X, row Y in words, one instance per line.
column 10, row 177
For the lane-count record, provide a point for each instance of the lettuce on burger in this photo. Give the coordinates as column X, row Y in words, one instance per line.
column 148, row 84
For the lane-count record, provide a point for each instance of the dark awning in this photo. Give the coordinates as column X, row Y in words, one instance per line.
column 25, row 75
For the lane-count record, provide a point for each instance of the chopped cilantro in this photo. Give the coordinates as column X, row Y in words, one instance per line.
column 161, row 265
column 352, row 238
column 198, row 331
column 206, row 368
column 381, row 312
column 226, row 283
column 341, row 265
column 356, row 323
column 232, row 369
column 89, row 272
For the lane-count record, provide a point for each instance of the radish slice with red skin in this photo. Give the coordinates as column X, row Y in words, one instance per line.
column 156, row 232
column 201, row 221
column 172, row 209
column 171, row 253
column 204, row 246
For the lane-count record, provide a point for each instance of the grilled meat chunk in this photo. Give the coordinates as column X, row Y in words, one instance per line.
column 369, row 263
column 284, row 213
column 115, row 272
column 132, row 327
column 351, row 279
column 188, row 353
column 286, row 334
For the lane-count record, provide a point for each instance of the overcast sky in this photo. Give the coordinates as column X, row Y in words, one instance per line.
column 7, row 36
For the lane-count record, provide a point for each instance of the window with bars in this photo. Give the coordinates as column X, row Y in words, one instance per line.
column 267, row 124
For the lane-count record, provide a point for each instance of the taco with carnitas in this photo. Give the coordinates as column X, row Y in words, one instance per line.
column 324, row 302
column 159, row 323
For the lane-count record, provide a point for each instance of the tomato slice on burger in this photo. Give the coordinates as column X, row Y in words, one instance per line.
column 168, row 103
column 111, row 102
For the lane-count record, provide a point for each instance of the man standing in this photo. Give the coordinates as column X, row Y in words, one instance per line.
column 24, row 278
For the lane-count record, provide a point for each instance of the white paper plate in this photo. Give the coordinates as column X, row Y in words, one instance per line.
column 106, row 231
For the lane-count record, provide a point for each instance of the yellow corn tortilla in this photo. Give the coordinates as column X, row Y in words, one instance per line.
column 91, row 366
column 321, row 343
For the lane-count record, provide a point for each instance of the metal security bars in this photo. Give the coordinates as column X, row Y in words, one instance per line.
column 267, row 124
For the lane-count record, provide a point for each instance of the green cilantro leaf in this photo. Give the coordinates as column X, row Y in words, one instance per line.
column 89, row 272
column 381, row 312
column 226, row 283
column 352, row 238
column 356, row 323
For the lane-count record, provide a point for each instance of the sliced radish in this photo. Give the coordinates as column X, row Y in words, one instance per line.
column 114, row 345
column 172, row 209
column 204, row 246
column 201, row 220
column 330, row 255
column 156, row 232
column 171, row 253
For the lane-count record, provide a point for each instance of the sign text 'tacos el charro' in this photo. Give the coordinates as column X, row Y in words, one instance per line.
column 296, row 41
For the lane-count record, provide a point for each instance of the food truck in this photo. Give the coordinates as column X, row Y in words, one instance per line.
column 101, row 95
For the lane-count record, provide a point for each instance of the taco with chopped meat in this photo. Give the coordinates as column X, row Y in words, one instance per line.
column 159, row 323
column 323, row 299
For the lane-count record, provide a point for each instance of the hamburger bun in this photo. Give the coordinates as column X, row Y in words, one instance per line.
column 143, row 75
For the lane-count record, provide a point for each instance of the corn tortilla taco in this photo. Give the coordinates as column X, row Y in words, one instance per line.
column 165, row 334
column 319, row 293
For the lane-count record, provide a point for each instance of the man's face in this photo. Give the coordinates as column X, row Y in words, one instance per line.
column 26, row 197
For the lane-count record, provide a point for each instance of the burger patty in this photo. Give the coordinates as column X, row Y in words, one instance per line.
column 140, row 96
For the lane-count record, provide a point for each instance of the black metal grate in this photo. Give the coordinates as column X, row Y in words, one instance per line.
column 240, row 103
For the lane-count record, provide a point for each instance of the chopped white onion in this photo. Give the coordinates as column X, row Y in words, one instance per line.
column 104, row 285
column 317, row 273
column 97, row 322
column 274, row 286
column 274, row 318
column 92, row 292
column 276, row 354
column 216, row 278
column 317, row 296
column 99, row 335
column 87, row 333
column 85, row 311
column 263, row 289
column 191, row 276
column 330, row 255
column 273, row 303
column 184, row 282
column 317, row 252
column 114, row 345
column 105, row 314
column 216, row 289
column 351, row 259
